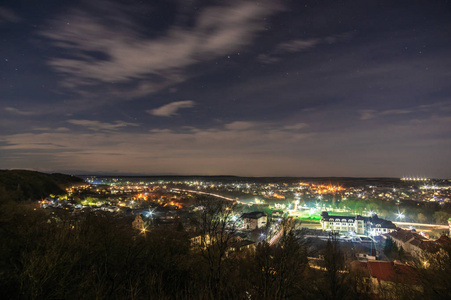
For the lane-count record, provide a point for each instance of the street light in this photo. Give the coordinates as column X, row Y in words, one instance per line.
column 144, row 230
column 400, row 215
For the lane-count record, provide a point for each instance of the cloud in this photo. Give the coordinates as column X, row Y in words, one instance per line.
column 99, row 126
column 171, row 109
column 20, row 112
column 260, row 150
column 41, row 129
column 297, row 126
column 7, row 15
column 396, row 112
column 297, row 45
column 367, row 114
column 300, row 45
column 61, row 129
column 160, row 150
column 102, row 54
column 240, row 125
column 267, row 59
column 441, row 106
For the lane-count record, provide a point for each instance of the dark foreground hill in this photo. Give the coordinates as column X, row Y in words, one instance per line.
column 22, row 185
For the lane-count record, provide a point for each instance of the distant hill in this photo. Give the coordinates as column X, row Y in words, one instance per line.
column 22, row 185
column 342, row 181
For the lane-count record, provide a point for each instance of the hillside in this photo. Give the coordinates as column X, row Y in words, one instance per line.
column 22, row 185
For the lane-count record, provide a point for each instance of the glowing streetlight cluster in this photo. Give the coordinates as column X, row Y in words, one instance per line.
column 415, row 179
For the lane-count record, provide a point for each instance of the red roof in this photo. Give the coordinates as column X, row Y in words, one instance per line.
column 388, row 271
column 360, row 265
column 444, row 241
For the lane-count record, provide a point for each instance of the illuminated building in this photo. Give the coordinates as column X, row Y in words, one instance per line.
column 254, row 220
column 342, row 223
column 361, row 225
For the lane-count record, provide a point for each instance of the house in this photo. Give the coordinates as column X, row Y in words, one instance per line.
column 415, row 244
column 239, row 245
column 377, row 226
column 373, row 225
column 254, row 220
column 199, row 241
column 410, row 241
column 383, row 278
column 444, row 242
column 140, row 224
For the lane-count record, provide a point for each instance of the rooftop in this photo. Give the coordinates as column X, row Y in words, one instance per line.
column 253, row 215
column 388, row 271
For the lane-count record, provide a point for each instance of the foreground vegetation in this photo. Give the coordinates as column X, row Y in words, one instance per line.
column 23, row 185
column 49, row 256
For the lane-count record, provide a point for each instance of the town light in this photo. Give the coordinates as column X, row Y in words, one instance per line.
column 400, row 216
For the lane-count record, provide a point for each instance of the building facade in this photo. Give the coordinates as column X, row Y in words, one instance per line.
column 373, row 225
column 254, row 220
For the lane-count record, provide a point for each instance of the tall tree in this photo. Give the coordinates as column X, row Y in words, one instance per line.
column 334, row 263
column 215, row 225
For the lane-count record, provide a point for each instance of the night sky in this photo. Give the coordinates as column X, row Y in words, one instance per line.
column 255, row 88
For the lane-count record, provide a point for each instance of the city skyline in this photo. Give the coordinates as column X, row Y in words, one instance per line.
column 241, row 88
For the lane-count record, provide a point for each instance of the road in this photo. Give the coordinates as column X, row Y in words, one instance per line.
column 210, row 194
column 421, row 225
column 276, row 237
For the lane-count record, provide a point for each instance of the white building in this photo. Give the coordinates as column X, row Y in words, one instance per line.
column 361, row 225
column 342, row 223
column 379, row 227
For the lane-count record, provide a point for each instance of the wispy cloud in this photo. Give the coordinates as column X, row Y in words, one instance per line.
column 240, row 125
column 367, row 114
column 267, row 58
column 19, row 111
column 102, row 54
column 101, row 126
column 7, row 15
column 396, row 112
column 171, row 109
column 297, row 126
column 299, row 45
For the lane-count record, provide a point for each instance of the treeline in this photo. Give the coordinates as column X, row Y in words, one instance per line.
column 49, row 256
column 20, row 185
